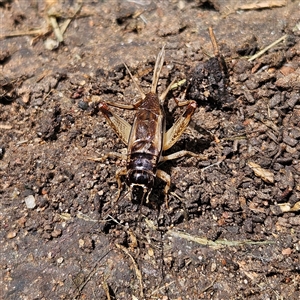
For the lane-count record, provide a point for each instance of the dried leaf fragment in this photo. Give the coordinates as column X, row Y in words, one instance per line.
column 262, row 4
column 264, row 174
column 296, row 206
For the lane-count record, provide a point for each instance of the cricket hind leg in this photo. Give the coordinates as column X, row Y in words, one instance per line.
column 175, row 132
column 121, row 127
column 107, row 155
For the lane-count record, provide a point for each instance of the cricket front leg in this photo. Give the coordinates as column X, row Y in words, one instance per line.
column 167, row 179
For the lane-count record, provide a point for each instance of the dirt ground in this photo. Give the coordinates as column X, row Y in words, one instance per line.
column 231, row 229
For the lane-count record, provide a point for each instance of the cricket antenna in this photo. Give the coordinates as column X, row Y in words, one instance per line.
column 123, row 196
column 134, row 82
column 158, row 66
column 144, row 196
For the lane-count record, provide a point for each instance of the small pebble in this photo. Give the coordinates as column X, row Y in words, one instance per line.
column 11, row 234
column 287, row 251
column 56, row 233
column 295, row 221
column 60, row 260
column 213, row 267
column 289, row 140
column 81, row 243
column 30, row 202
column 83, row 105
column 51, row 44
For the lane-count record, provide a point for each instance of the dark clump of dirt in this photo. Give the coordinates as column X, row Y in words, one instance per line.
column 208, row 82
column 230, row 227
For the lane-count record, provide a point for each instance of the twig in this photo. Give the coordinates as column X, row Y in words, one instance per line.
column 213, row 41
column 137, row 270
column 209, row 286
column 221, row 159
column 162, row 287
column 90, row 275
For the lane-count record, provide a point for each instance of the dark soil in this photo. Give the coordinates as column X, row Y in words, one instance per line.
column 231, row 228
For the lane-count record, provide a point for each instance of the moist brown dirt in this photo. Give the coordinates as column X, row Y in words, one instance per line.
column 224, row 234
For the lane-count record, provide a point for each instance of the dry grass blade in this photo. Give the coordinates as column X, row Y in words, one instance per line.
column 65, row 25
column 260, row 53
column 35, row 32
column 214, row 244
column 213, row 41
column 56, row 28
column 106, row 289
column 60, row 30
column 52, row 20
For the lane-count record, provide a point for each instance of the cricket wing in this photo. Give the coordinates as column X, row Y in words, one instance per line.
column 174, row 133
column 147, row 134
column 119, row 125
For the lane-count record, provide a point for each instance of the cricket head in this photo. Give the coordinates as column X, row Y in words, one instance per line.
column 141, row 183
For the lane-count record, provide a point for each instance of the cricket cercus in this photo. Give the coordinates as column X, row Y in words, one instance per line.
column 147, row 138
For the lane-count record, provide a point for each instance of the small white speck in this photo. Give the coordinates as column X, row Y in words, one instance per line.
column 30, row 202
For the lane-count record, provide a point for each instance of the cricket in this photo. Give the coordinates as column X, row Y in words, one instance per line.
column 147, row 138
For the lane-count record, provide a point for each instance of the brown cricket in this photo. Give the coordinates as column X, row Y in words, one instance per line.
column 147, row 138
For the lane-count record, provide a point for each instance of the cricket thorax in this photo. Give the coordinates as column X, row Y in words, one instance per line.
column 151, row 102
